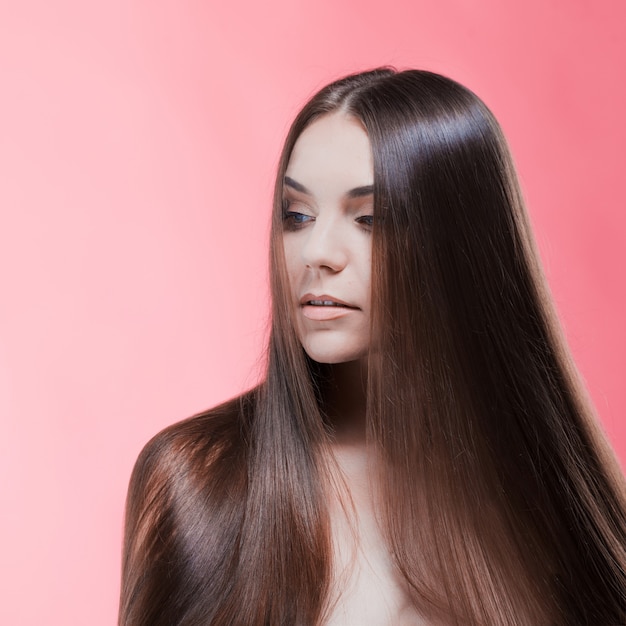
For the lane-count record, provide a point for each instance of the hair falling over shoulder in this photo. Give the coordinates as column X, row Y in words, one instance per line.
column 504, row 503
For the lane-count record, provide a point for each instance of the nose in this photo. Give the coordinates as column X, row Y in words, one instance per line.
column 325, row 247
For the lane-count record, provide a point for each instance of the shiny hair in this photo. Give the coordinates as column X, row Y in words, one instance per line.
column 502, row 501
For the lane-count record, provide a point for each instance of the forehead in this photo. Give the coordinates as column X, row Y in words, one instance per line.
column 332, row 154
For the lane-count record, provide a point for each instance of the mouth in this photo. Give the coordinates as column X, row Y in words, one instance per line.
column 325, row 301
column 325, row 308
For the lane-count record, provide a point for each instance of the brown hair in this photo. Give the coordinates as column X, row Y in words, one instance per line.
column 503, row 502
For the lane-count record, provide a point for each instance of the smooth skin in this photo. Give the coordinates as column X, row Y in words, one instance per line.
column 328, row 205
column 327, row 238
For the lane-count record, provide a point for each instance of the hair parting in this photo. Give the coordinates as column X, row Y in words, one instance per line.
column 502, row 500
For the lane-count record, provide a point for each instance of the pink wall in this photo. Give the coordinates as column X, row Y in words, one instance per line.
column 137, row 145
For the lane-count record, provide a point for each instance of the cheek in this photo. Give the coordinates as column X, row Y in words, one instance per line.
column 366, row 270
column 288, row 254
column 291, row 261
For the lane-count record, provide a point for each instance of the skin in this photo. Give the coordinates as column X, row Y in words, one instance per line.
column 328, row 205
column 327, row 239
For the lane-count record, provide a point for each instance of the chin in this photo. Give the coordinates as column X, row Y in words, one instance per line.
column 334, row 355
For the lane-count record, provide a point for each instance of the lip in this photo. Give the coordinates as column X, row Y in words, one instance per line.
column 325, row 313
column 307, row 297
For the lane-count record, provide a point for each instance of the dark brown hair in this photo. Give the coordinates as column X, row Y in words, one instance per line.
column 503, row 502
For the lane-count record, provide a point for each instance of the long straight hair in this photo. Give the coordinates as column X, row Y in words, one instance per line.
column 502, row 501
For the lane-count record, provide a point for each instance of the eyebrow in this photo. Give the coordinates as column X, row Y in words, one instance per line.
column 357, row 192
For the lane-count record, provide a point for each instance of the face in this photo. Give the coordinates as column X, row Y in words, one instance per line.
column 327, row 237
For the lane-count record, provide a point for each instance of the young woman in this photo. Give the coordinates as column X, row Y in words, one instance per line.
column 421, row 450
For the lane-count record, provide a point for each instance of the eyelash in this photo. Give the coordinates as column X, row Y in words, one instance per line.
column 293, row 220
column 366, row 220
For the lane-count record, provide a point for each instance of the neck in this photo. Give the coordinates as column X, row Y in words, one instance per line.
column 345, row 401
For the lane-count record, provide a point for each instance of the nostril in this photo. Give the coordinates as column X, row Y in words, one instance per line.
column 318, row 253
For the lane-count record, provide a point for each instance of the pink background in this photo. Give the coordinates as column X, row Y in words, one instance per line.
column 138, row 142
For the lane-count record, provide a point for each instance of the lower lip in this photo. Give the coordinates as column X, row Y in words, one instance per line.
column 325, row 313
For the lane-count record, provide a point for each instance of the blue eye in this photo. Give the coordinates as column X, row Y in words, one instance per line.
column 293, row 220
column 298, row 218
column 366, row 220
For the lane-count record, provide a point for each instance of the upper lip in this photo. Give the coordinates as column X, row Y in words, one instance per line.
column 307, row 297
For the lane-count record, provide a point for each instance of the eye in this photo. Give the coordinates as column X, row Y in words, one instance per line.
column 297, row 218
column 293, row 220
column 366, row 220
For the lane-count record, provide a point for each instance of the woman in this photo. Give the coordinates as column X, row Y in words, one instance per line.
column 421, row 450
